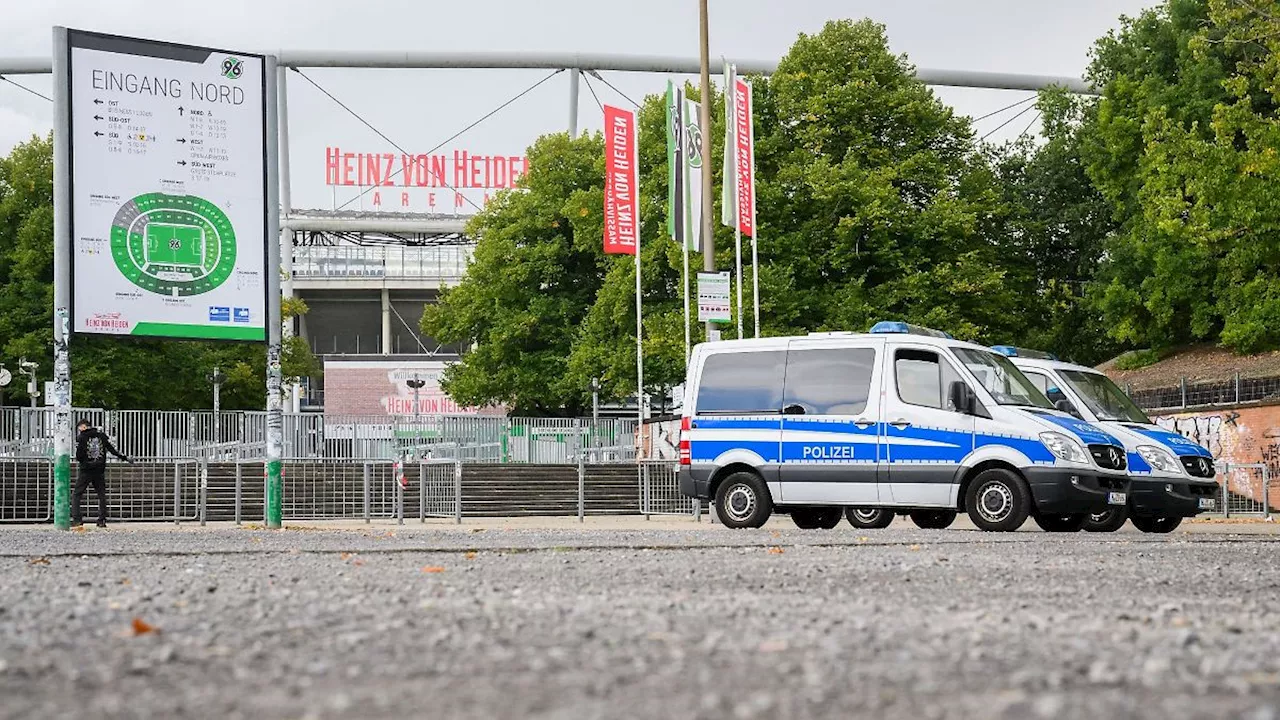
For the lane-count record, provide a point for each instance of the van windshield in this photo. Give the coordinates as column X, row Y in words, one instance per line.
column 1005, row 382
column 1102, row 396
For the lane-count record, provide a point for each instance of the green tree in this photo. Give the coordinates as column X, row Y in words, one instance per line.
column 1184, row 149
column 1052, row 229
column 537, row 267
column 107, row 372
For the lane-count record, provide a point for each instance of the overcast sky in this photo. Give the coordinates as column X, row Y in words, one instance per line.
column 420, row 108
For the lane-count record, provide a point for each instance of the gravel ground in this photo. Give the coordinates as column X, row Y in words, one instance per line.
column 697, row 622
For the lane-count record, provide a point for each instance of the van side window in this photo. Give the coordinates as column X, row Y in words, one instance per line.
column 747, row 383
column 829, row 381
column 924, row 378
column 1040, row 381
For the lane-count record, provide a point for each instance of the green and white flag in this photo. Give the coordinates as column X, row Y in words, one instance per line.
column 675, row 163
column 693, row 167
column 728, row 180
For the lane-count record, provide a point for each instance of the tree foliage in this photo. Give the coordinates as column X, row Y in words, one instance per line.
column 106, row 372
column 1184, row 149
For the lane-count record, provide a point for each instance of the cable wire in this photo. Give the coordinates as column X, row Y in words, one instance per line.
column 1006, row 107
column 587, row 79
column 1028, row 127
column 1025, row 110
column 453, row 137
column 24, row 87
column 380, row 134
column 612, row 87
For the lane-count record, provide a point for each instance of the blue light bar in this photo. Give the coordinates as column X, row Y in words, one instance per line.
column 893, row 327
column 1011, row 351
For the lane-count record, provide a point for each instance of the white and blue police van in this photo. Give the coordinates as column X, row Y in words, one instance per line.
column 900, row 420
column 1172, row 477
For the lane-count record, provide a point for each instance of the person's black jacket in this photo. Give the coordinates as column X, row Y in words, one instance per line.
column 92, row 447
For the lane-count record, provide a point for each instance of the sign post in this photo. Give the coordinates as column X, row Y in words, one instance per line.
column 164, row 208
column 713, row 298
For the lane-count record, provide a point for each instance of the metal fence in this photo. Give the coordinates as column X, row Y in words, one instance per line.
column 1226, row 392
column 444, row 262
column 1246, row 489
column 660, row 490
column 232, row 436
column 26, row 491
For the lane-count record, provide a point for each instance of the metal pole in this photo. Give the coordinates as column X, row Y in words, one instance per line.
column 574, row 74
column 704, row 119
column 457, row 492
column 737, row 278
column 286, row 206
column 1183, row 384
column 217, row 406
column 367, row 512
column 239, row 489
column 177, row 492
column 275, row 412
column 595, row 416
column 204, row 490
column 61, row 281
column 422, row 492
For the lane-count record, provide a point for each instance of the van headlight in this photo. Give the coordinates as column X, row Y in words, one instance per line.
column 1064, row 447
column 1157, row 458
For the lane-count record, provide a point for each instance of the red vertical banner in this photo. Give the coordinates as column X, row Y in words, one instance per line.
column 745, row 139
column 621, row 182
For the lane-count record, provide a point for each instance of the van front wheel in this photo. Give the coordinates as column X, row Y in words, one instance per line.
column 998, row 500
column 742, row 501
column 1109, row 520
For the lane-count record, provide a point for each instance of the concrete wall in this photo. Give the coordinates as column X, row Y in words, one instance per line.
column 1239, row 435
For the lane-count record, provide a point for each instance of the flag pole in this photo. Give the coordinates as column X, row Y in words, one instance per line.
column 639, row 349
column 750, row 99
column 687, row 334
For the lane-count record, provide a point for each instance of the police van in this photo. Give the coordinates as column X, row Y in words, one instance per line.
column 900, row 420
column 1172, row 477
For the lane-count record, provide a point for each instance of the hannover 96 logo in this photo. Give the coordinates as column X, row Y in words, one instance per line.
column 232, row 68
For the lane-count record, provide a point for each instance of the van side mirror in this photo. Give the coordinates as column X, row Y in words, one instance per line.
column 1064, row 405
column 961, row 397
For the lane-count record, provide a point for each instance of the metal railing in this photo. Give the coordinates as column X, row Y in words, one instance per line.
column 445, row 262
column 660, row 490
column 1224, row 392
column 142, row 434
column 1246, row 489
column 26, row 491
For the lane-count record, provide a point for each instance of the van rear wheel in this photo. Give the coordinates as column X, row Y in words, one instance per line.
column 865, row 518
column 933, row 519
column 1109, row 520
column 1157, row 525
column 1060, row 523
column 743, row 501
column 998, row 500
column 816, row 518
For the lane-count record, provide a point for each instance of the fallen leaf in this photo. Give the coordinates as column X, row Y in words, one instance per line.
column 357, row 562
column 477, row 530
column 433, row 569
column 38, row 561
column 863, row 538
column 470, row 556
column 125, row 581
column 775, row 550
column 141, row 627
column 914, row 547
column 775, row 533
column 81, row 528
column 345, row 556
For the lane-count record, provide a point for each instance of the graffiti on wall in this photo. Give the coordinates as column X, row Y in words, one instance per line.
column 1242, row 436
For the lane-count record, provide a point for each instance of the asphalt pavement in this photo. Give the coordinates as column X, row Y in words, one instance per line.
column 619, row 618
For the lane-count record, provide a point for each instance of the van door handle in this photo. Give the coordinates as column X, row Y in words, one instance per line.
column 863, row 423
column 900, row 424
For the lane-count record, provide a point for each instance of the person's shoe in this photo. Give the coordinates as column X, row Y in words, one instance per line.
column 77, row 523
column 102, row 523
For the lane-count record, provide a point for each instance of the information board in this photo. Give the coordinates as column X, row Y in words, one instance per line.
column 713, row 297
column 168, row 189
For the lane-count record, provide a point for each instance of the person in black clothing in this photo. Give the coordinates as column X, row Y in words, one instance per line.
column 92, row 448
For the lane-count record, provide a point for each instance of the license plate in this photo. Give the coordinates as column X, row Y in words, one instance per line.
column 1207, row 503
column 1117, row 498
